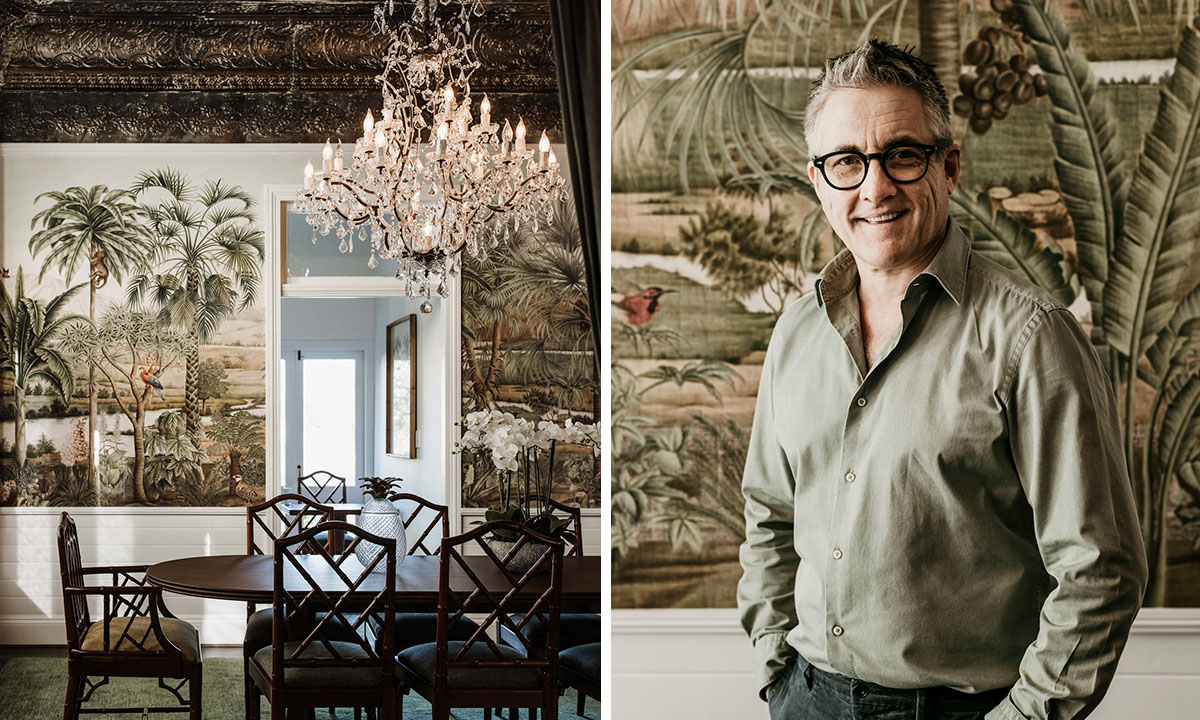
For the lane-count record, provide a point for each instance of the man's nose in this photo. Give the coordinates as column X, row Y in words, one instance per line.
column 876, row 185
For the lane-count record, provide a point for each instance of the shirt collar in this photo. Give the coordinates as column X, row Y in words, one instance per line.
column 948, row 267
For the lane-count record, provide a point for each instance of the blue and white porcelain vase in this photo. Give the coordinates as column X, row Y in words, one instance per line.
column 380, row 517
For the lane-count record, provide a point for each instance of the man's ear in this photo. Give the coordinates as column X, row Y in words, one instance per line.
column 952, row 166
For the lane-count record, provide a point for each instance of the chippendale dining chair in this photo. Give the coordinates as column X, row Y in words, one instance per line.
column 574, row 628
column 480, row 672
column 281, row 516
column 135, row 635
column 324, row 668
column 322, row 486
column 414, row 628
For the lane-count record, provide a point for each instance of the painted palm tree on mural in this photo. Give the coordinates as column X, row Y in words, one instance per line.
column 102, row 229
column 550, row 274
column 29, row 333
column 207, row 259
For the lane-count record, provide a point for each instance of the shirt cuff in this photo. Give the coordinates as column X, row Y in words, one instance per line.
column 1005, row 711
column 773, row 654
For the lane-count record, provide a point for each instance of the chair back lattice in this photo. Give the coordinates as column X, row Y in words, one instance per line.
column 535, row 593
column 70, row 567
column 572, row 549
column 424, row 518
column 294, row 513
column 126, row 595
column 322, row 486
column 321, row 590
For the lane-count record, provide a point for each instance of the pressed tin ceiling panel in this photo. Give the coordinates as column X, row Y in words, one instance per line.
column 294, row 71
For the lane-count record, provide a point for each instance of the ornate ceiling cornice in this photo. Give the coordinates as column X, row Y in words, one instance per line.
column 132, row 56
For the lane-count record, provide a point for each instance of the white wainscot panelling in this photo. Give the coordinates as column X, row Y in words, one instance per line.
column 697, row 664
column 30, row 591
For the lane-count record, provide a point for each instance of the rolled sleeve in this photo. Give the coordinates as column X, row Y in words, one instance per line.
column 766, row 592
column 1067, row 448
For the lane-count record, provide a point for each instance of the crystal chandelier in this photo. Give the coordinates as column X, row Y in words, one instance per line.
column 425, row 180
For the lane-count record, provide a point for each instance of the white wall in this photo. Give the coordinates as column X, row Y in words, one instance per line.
column 697, row 664
column 424, row 475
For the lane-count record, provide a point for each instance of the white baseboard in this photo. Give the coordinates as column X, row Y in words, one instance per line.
column 698, row 664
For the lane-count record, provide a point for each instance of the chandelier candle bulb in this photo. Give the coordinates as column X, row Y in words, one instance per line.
column 338, row 161
column 506, row 138
column 327, row 154
column 368, row 126
column 485, row 112
column 543, row 149
column 521, row 136
column 439, row 149
column 308, row 175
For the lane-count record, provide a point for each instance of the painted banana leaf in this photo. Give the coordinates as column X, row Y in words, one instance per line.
column 1162, row 218
column 1188, row 511
column 1181, row 424
column 1002, row 240
column 1089, row 160
column 1174, row 340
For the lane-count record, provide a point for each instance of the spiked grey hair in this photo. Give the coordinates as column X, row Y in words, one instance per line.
column 877, row 63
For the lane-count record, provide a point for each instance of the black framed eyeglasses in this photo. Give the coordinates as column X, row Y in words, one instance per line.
column 903, row 164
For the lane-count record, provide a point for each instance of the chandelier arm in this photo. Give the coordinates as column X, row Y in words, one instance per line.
column 356, row 191
column 508, row 205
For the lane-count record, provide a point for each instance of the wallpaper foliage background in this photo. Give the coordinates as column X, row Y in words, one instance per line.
column 132, row 348
column 1078, row 123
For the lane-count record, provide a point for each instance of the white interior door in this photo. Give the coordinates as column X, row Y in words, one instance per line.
column 324, row 412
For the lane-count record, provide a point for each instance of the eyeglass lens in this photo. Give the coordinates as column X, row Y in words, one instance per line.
column 902, row 164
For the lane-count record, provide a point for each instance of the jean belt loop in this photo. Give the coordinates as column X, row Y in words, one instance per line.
column 808, row 676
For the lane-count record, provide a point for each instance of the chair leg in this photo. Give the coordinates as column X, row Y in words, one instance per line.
column 514, row 713
column 550, row 711
column 195, row 693
column 441, row 710
column 487, row 714
column 579, row 703
column 71, row 705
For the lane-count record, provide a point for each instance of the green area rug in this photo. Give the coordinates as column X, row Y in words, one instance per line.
column 34, row 689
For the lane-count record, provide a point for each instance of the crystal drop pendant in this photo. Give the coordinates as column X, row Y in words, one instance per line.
column 372, row 262
column 343, row 247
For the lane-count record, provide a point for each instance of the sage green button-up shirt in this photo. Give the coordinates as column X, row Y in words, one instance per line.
column 960, row 515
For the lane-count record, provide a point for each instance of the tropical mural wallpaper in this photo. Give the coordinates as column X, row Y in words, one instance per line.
column 527, row 347
column 132, row 347
column 1079, row 126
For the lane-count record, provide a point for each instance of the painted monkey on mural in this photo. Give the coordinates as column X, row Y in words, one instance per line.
column 939, row 521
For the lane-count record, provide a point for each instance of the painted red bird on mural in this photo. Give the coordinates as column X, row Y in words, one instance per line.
column 147, row 374
column 640, row 307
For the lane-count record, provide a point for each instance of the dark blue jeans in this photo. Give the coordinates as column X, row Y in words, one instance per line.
column 803, row 692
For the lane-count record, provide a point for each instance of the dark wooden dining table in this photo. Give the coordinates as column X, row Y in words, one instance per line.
column 250, row 578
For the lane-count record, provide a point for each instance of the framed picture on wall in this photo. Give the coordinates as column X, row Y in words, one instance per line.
column 402, row 387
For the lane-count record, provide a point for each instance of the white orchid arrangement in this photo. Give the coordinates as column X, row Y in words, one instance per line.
column 518, row 447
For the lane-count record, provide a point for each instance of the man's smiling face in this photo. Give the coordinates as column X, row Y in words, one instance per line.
column 886, row 225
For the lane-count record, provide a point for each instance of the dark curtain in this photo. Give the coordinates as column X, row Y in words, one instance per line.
column 576, row 28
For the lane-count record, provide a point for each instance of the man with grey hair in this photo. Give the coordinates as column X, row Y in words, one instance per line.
column 939, row 522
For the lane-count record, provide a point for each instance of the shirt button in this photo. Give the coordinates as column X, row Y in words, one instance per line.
column 837, row 630
column 849, row 477
column 862, row 401
column 837, row 553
